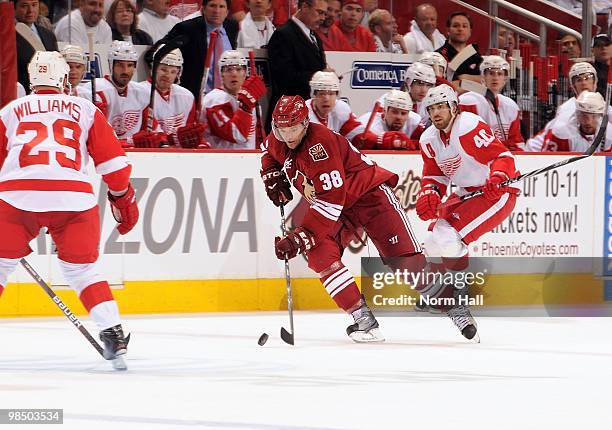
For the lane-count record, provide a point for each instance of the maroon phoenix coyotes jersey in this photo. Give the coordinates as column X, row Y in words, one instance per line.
column 328, row 171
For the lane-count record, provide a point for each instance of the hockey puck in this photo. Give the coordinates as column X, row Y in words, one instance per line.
column 262, row 339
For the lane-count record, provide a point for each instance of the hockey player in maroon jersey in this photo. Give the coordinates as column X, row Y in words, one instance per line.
column 346, row 191
column 46, row 141
column 461, row 148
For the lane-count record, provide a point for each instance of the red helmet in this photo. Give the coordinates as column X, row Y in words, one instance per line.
column 289, row 111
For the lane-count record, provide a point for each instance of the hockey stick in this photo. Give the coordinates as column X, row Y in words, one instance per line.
column 62, row 306
column 491, row 98
column 207, row 60
column 487, row 94
column 375, row 110
column 287, row 337
column 92, row 70
column 28, row 34
column 159, row 55
column 260, row 126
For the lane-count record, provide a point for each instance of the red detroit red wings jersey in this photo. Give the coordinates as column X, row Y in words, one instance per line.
column 45, row 144
column 328, row 171
column 465, row 156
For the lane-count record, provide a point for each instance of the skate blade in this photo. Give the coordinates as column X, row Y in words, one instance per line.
column 119, row 363
column 371, row 336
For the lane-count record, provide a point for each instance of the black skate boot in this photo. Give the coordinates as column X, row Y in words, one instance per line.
column 465, row 322
column 115, row 345
column 365, row 328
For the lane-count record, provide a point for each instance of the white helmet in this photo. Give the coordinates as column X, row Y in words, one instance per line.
column 440, row 94
column 233, row 58
column 324, row 81
column 48, row 68
column 434, row 59
column 591, row 102
column 173, row 58
column 74, row 54
column 397, row 99
column 494, row 62
column 121, row 50
column 421, row 72
column 582, row 68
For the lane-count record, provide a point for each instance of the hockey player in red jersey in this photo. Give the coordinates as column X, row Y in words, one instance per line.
column 229, row 112
column 396, row 127
column 576, row 134
column 461, row 148
column 125, row 102
column 77, row 61
column 502, row 113
column 174, row 106
column 46, row 142
column 346, row 191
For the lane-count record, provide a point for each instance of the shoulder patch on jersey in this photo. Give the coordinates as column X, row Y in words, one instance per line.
column 318, row 153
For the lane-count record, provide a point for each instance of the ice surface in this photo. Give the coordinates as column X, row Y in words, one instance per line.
column 208, row 372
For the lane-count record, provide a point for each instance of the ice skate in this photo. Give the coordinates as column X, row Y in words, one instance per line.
column 365, row 328
column 115, row 346
column 465, row 322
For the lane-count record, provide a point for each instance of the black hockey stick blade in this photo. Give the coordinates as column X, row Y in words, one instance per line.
column 286, row 336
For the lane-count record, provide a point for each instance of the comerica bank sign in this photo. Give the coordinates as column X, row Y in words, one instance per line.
column 377, row 74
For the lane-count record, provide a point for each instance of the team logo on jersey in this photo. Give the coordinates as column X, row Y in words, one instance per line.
column 309, row 191
column 125, row 122
column 170, row 124
column 317, row 152
column 450, row 166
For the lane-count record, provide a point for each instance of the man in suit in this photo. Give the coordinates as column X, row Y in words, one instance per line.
column 197, row 30
column 295, row 52
column 26, row 11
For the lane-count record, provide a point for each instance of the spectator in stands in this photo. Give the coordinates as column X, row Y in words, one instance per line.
column 43, row 16
column 327, row 31
column 213, row 18
column 602, row 52
column 369, row 6
column 358, row 38
column 384, row 28
column 26, row 12
column 155, row 20
column 87, row 18
column 424, row 35
column 570, row 45
column 278, row 12
column 506, row 40
column 123, row 22
column 256, row 29
column 459, row 27
column 295, row 52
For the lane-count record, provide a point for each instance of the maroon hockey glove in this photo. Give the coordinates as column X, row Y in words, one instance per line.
column 148, row 139
column 252, row 90
column 296, row 242
column 192, row 136
column 492, row 191
column 277, row 186
column 427, row 203
column 124, row 209
column 396, row 140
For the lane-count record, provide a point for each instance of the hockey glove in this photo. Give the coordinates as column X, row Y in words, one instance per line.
column 396, row 140
column 192, row 136
column 277, row 186
column 296, row 242
column 148, row 139
column 252, row 90
column 492, row 191
column 427, row 203
column 124, row 210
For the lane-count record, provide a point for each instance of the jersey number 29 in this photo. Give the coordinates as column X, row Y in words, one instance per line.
column 26, row 158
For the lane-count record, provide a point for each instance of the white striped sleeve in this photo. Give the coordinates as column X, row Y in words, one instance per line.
column 113, row 165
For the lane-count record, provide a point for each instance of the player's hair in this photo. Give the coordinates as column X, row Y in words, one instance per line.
column 228, row 2
column 459, row 13
column 110, row 16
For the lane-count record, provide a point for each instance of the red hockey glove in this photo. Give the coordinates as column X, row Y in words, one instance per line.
column 296, row 242
column 396, row 140
column 427, row 203
column 124, row 209
column 492, row 191
column 148, row 139
column 252, row 90
column 192, row 136
column 277, row 186
column 367, row 140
